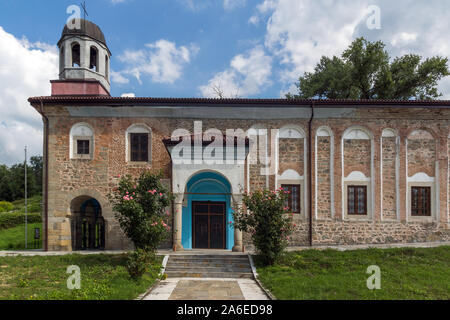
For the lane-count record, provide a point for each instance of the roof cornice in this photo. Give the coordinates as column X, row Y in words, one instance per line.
column 132, row 101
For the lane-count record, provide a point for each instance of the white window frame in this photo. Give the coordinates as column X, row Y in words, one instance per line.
column 138, row 128
column 81, row 131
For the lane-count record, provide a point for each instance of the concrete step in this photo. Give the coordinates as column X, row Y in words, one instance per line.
column 210, row 258
column 193, row 274
column 209, row 269
column 209, row 266
column 205, row 264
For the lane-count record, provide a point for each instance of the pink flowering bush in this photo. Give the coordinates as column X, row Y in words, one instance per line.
column 265, row 217
column 140, row 206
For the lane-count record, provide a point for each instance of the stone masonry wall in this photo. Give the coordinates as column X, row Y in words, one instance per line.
column 291, row 155
column 324, row 178
column 357, row 156
column 421, row 156
column 69, row 179
column 389, row 179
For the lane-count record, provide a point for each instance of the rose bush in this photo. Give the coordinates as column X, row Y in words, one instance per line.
column 265, row 217
column 141, row 208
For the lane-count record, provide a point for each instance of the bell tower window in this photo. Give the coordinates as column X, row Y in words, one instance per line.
column 61, row 59
column 106, row 67
column 93, row 64
column 76, row 56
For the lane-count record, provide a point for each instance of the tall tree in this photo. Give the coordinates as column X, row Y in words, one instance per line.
column 37, row 169
column 5, row 177
column 12, row 178
column 365, row 71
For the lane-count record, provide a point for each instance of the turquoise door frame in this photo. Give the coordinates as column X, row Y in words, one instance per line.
column 207, row 186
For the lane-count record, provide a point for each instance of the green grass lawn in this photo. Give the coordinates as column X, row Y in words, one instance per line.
column 14, row 238
column 406, row 273
column 103, row 277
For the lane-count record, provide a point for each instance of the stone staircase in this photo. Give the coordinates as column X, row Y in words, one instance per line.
column 209, row 266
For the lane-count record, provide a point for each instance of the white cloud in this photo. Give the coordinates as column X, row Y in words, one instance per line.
column 247, row 75
column 25, row 71
column 118, row 78
column 403, row 39
column 128, row 95
column 299, row 32
column 195, row 5
column 162, row 60
column 233, row 4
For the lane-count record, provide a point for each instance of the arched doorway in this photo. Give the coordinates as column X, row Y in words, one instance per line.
column 207, row 213
column 87, row 224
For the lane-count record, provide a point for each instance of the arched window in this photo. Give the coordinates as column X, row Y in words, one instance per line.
column 138, row 143
column 106, row 67
column 291, row 166
column 81, row 141
column 357, row 172
column 93, row 62
column 76, row 63
column 422, row 182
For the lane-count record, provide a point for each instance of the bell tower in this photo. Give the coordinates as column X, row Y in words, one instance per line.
column 84, row 61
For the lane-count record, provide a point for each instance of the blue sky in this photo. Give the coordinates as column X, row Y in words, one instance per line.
column 184, row 48
column 217, row 32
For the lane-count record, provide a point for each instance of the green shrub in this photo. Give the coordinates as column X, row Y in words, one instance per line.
column 6, row 206
column 138, row 262
column 265, row 218
column 11, row 220
column 140, row 207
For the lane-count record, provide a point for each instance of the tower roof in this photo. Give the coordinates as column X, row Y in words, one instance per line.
column 88, row 29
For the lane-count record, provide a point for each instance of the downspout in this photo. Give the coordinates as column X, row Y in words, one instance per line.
column 310, row 174
column 46, row 172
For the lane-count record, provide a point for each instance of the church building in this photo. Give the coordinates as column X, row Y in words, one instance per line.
column 358, row 171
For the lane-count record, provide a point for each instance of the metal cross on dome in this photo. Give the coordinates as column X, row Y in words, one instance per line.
column 83, row 6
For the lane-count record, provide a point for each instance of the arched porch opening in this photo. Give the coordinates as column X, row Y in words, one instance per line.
column 87, row 224
column 207, row 213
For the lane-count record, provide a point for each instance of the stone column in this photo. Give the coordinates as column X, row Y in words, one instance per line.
column 177, row 222
column 238, row 245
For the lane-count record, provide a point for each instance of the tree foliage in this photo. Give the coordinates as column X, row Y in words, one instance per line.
column 12, row 180
column 366, row 71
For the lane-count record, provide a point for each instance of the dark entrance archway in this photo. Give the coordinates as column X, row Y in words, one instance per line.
column 88, row 225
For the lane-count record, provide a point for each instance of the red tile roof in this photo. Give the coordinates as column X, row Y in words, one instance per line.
column 130, row 101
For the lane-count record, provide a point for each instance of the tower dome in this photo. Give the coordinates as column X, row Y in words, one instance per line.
column 84, row 60
column 87, row 28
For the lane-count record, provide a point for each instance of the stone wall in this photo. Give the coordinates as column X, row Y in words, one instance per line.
column 421, row 156
column 291, row 153
column 324, row 177
column 69, row 179
column 357, row 155
column 389, row 178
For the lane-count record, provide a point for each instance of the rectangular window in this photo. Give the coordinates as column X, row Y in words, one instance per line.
column 357, row 200
column 421, row 201
column 293, row 201
column 83, row 147
column 139, row 147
